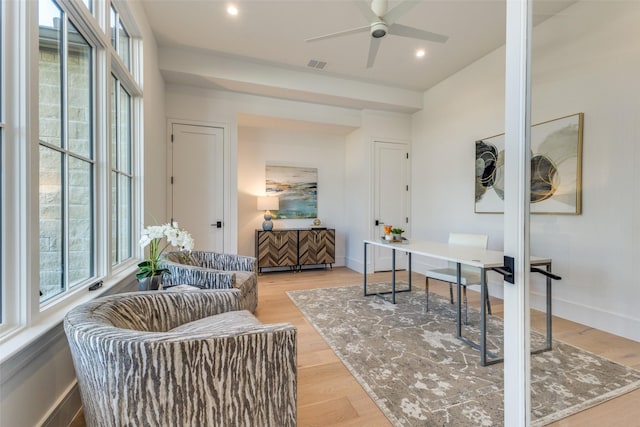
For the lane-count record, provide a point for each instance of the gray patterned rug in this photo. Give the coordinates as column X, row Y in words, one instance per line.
column 419, row 374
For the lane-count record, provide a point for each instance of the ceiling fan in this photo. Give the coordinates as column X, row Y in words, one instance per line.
column 382, row 22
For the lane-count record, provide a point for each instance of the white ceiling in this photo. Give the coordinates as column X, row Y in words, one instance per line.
column 272, row 33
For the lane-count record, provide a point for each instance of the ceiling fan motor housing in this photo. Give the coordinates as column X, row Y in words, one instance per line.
column 378, row 30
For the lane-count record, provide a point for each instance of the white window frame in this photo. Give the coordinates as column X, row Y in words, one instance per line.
column 3, row 163
column 70, row 288
column 119, row 171
column 25, row 318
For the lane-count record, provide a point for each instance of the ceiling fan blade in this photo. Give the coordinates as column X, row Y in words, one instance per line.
column 340, row 33
column 415, row 33
column 394, row 14
column 373, row 51
column 365, row 9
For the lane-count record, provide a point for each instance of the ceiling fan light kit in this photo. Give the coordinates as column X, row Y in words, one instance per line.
column 378, row 30
column 383, row 22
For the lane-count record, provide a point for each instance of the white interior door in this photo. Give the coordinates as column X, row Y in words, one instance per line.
column 197, row 189
column 390, row 197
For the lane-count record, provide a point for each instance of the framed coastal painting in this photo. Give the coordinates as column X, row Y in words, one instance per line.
column 556, row 169
column 296, row 188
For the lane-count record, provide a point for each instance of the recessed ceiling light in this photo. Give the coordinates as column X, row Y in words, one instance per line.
column 420, row 53
column 232, row 10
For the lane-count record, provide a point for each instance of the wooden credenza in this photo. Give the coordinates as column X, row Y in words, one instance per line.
column 295, row 248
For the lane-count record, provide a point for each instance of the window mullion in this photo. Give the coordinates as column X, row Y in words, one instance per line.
column 115, row 175
column 64, row 113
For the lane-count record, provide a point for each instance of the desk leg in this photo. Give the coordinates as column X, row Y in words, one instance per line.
column 393, row 276
column 364, row 282
column 459, row 311
column 549, row 312
column 393, row 290
column 483, row 318
column 409, row 272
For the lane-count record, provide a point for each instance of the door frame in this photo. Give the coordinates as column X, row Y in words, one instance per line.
column 372, row 190
column 230, row 178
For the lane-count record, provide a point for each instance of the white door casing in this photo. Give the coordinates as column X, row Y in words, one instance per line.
column 197, row 183
column 390, row 197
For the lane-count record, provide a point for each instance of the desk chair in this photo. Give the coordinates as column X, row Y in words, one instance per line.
column 469, row 276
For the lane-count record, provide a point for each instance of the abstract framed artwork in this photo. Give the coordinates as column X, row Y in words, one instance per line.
column 556, row 169
column 296, row 188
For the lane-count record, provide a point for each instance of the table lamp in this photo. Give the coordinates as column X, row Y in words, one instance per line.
column 268, row 204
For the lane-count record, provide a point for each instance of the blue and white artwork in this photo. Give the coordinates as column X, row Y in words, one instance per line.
column 297, row 191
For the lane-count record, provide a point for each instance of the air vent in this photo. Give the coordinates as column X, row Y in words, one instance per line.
column 319, row 65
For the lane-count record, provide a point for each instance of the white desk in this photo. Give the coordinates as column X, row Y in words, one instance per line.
column 485, row 259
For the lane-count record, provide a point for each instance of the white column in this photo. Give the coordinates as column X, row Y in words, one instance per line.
column 517, row 397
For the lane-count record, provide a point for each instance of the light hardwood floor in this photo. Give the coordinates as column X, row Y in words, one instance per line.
column 328, row 395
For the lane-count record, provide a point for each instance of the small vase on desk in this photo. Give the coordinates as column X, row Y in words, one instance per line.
column 151, row 283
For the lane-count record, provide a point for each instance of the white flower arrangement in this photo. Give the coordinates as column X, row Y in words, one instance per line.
column 152, row 236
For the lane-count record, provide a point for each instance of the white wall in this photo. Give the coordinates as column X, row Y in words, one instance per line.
column 154, row 135
column 585, row 60
column 358, row 188
column 258, row 147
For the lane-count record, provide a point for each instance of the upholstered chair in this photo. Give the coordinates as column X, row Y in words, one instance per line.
column 163, row 358
column 212, row 270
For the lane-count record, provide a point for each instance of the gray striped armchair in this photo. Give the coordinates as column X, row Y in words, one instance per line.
column 181, row 359
column 212, row 270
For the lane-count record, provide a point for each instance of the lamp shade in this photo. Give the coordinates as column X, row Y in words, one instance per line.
column 268, row 203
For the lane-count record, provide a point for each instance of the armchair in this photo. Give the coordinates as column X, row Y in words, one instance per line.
column 212, row 270
column 181, row 359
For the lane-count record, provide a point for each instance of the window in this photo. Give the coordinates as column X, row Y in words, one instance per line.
column 120, row 39
column 121, row 173
column 89, row 4
column 67, row 165
column 69, row 193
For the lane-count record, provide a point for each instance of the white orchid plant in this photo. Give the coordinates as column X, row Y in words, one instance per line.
column 153, row 236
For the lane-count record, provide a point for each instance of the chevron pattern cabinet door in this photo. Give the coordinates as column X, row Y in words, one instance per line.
column 316, row 247
column 278, row 248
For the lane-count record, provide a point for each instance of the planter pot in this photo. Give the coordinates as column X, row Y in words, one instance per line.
column 152, row 283
column 397, row 236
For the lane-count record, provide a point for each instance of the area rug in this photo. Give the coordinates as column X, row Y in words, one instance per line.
column 419, row 374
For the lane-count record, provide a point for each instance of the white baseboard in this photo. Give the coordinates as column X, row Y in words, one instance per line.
column 66, row 410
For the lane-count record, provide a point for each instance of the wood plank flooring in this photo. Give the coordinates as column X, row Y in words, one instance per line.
column 328, row 395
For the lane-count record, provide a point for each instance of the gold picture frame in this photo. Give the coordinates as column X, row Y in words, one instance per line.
column 556, row 169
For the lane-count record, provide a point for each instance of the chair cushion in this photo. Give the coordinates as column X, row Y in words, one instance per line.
column 184, row 288
column 449, row 275
column 231, row 321
column 243, row 276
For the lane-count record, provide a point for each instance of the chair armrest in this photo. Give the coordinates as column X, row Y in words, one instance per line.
column 229, row 262
column 198, row 276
